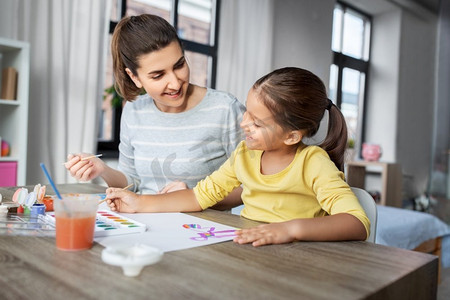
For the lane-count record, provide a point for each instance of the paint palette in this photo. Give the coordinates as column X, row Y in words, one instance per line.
column 111, row 223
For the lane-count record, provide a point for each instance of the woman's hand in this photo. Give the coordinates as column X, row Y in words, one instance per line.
column 122, row 200
column 173, row 186
column 84, row 170
column 275, row 233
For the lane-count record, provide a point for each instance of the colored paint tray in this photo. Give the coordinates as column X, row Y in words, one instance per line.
column 110, row 223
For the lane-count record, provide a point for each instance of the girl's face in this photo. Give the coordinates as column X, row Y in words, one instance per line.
column 164, row 74
column 261, row 131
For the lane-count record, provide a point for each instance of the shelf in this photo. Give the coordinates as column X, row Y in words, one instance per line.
column 14, row 113
column 8, row 158
column 9, row 102
column 391, row 177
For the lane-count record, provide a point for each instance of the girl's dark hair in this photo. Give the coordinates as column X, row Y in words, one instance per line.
column 135, row 36
column 298, row 100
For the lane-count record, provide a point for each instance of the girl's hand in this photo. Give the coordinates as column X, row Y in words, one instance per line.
column 275, row 233
column 122, row 200
column 84, row 170
column 173, row 186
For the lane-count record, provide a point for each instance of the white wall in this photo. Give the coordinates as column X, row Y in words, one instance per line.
column 416, row 97
column 302, row 35
column 381, row 106
column 302, row 38
column 440, row 181
column 7, row 21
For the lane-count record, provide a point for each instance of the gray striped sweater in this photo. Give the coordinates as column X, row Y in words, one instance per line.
column 157, row 148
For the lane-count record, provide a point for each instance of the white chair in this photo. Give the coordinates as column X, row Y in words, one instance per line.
column 370, row 207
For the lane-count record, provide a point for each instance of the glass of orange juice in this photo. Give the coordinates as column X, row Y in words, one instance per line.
column 75, row 218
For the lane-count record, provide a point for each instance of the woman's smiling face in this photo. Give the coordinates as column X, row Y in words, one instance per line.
column 164, row 74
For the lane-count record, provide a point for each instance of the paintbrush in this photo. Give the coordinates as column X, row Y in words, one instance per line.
column 125, row 188
column 92, row 156
column 88, row 157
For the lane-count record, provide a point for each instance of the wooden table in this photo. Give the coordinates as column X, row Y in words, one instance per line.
column 32, row 267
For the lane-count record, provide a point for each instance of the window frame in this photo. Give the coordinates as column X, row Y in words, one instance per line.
column 342, row 61
column 110, row 149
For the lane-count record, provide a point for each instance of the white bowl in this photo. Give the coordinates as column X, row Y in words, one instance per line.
column 132, row 259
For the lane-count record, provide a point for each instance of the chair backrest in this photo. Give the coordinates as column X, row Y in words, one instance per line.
column 370, row 207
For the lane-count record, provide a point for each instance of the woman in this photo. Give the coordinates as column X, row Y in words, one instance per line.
column 176, row 133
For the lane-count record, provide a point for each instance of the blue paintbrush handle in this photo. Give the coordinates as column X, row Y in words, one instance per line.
column 51, row 181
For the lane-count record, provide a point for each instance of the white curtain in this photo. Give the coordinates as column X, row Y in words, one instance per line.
column 245, row 44
column 68, row 39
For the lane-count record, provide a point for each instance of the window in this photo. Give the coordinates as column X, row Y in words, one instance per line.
column 196, row 23
column 348, row 73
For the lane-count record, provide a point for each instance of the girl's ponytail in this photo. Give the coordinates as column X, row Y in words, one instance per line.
column 335, row 142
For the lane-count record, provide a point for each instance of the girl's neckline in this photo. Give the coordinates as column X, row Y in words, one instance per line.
column 284, row 170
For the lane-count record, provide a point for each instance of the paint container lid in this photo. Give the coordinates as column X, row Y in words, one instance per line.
column 132, row 259
column 37, row 209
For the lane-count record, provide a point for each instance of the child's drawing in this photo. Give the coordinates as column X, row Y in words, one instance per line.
column 208, row 232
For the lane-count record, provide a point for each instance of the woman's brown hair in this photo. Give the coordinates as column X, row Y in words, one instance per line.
column 298, row 100
column 135, row 36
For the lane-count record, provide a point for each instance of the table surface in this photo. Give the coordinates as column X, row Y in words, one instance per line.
column 32, row 267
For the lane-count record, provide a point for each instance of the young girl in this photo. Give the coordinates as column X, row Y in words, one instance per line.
column 174, row 135
column 299, row 189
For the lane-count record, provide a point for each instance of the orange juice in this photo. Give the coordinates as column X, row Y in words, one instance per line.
column 74, row 233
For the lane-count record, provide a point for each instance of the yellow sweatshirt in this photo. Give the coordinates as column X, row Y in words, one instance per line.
column 311, row 186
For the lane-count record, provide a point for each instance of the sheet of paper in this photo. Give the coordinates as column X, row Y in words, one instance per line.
column 171, row 231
